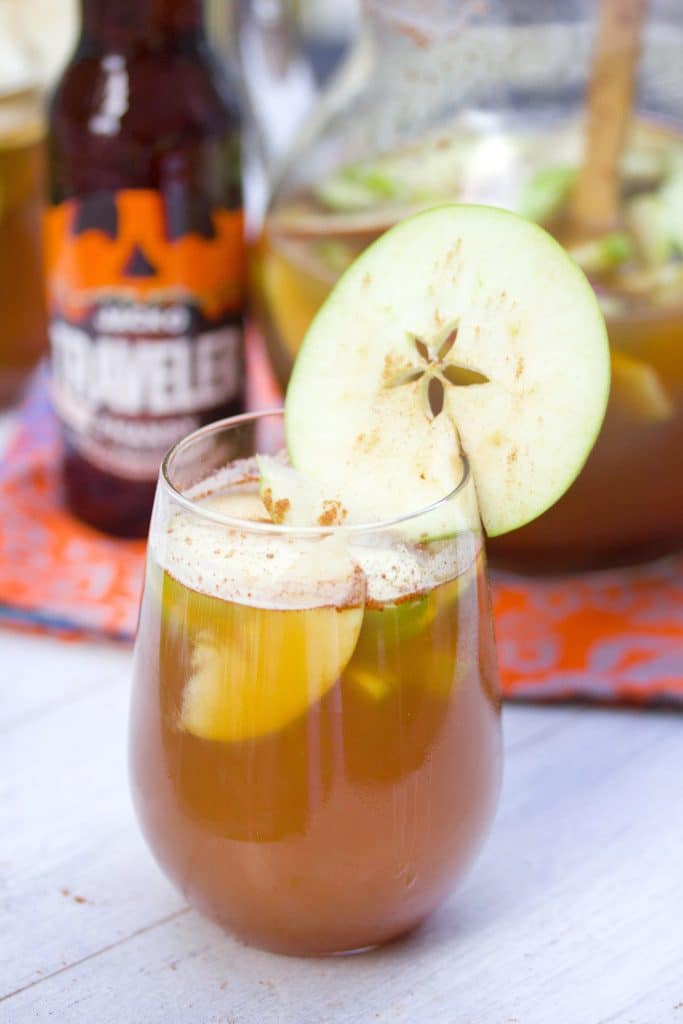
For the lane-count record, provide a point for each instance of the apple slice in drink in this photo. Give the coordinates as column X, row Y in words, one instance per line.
column 235, row 694
column 294, row 499
column 464, row 327
column 255, row 670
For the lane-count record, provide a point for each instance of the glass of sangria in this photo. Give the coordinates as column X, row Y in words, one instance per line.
column 315, row 745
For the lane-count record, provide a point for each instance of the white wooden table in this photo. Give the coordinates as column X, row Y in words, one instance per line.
column 573, row 915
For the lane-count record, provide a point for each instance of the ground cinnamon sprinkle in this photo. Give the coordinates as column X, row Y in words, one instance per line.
column 277, row 510
column 280, row 509
column 333, row 513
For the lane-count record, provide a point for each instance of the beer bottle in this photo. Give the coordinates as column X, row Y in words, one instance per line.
column 144, row 251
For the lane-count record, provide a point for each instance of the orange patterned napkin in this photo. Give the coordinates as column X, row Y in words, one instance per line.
column 54, row 571
column 613, row 636
column 609, row 636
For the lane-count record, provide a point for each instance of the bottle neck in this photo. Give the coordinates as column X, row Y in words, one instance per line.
column 158, row 24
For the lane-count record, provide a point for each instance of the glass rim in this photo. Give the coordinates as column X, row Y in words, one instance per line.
column 282, row 529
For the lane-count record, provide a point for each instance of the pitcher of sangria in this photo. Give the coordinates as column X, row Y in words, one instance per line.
column 567, row 111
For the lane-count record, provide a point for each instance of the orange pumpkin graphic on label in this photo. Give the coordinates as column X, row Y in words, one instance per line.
column 145, row 246
column 145, row 297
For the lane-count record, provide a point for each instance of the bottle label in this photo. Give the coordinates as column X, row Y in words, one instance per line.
column 145, row 296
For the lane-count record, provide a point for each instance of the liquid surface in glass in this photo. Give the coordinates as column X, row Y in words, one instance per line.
column 315, row 751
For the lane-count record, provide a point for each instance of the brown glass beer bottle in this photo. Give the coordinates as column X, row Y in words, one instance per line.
column 144, row 251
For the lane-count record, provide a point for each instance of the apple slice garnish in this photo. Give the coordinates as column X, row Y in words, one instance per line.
column 463, row 329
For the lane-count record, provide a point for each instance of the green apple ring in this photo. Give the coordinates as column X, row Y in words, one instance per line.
column 462, row 328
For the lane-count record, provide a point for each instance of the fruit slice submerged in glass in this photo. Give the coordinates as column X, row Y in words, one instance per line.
column 235, row 693
column 464, row 328
column 254, row 669
column 415, row 666
column 638, row 389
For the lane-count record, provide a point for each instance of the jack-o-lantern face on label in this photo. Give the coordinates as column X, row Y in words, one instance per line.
column 145, row 296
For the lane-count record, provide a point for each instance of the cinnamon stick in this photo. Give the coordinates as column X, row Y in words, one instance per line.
column 595, row 200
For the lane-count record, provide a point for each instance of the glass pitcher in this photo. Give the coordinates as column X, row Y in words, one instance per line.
column 489, row 102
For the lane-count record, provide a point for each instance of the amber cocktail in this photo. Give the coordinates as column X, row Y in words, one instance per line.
column 315, row 726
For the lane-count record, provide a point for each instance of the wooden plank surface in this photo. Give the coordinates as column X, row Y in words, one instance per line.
column 573, row 914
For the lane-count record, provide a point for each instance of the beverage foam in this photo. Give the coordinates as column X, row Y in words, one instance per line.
column 268, row 568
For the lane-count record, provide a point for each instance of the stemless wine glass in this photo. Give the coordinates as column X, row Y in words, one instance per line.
column 315, row 741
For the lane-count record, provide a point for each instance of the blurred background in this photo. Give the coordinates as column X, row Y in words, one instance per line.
column 36, row 39
column 40, row 33
column 570, row 113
